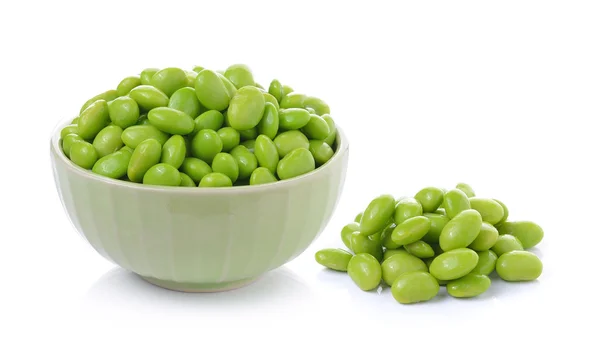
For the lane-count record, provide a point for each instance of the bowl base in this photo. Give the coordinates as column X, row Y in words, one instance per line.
column 199, row 287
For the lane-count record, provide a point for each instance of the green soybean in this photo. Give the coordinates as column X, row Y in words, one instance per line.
column 246, row 161
column 364, row 244
column 108, row 140
column 185, row 100
column 293, row 100
column 215, row 180
column 330, row 140
column 113, row 165
column 461, row 230
column 93, row 119
column 486, row 263
column 470, row 285
column 123, row 111
column 249, row 144
column 225, row 164
column 276, row 89
column 487, row 237
column 318, row 105
column 527, row 232
column 346, row 233
column 438, row 221
column 269, row 123
column 453, row 264
column 68, row 141
column 365, row 271
column 262, row 175
column 148, row 97
column 246, row 108
column 420, row 249
column 211, row 119
column 134, row 135
column 505, row 210
column 287, row 90
column 230, row 138
column 145, row 156
column 407, row 208
column 266, row 153
column 399, row 264
column 127, row 84
column 186, row 181
column 270, row 99
column 507, row 243
column 212, row 90
column 455, row 201
column 206, row 144
column 70, row 129
column 83, row 154
column 240, row 75
column 174, row 151
column 519, row 266
column 411, row 230
column 195, row 168
column 321, row 151
column 248, row 134
column 316, row 128
column 169, row 80
column 389, row 253
column 162, row 174
column 430, row 198
column 491, row 211
column 415, row 287
column 106, row 96
column 171, row 121
column 386, row 237
column 377, row 214
column 146, row 75
column 293, row 118
column 191, row 78
column 290, row 140
column 335, row 259
column 465, row 188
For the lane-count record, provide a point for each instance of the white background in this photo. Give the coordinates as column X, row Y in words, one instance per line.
column 504, row 95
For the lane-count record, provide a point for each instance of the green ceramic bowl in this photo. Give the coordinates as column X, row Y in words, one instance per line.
column 199, row 239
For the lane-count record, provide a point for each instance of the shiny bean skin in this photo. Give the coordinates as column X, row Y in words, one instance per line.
column 486, row 238
column 365, row 271
column 321, row 151
column 461, row 230
column 491, row 211
column 83, row 154
column 266, row 153
column 377, row 214
column 415, row 287
column 206, row 144
column 145, row 156
column 246, row 161
column 113, row 165
column 407, row 208
column 246, row 108
column 430, row 198
column 215, row 180
column 290, row 140
column 453, row 264
column 127, row 84
column 195, row 168
column 108, row 140
column 335, row 259
column 124, row 112
column 269, row 123
column 519, row 266
column 148, row 97
column 410, row 230
column 185, row 100
column 470, row 285
column 346, row 233
column 399, row 264
column 93, row 119
column 529, row 233
column 174, row 151
column 162, row 174
column 507, row 243
column 486, row 263
column 455, row 201
column 225, row 164
column 262, row 175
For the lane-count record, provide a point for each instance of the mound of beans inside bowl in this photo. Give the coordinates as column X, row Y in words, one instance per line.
column 436, row 238
column 199, row 127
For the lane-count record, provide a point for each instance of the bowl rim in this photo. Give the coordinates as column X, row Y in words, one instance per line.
column 55, row 148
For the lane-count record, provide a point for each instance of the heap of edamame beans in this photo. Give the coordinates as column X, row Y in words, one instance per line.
column 436, row 238
column 175, row 127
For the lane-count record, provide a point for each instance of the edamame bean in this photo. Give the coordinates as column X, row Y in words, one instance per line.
column 186, row 181
column 377, row 214
column 276, row 89
column 266, row 154
column 246, row 161
column 316, row 128
column 143, row 120
column 162, row 174
column 68, row 141
column 399, row 264
column 491, row 211
column 206, row 144
column 486, row 263
column 461, row 230
column 225, row 164
column 212, row 91
column 287, row 90
column 113, row 165
column 518, row 266
column 108, row 140
column 248, row 134
column 145, row 156
column 240, row 75
column 185, row 100
column 346, row 233
column 505, row 210
column 134, row 135
column 230, row 138
column 386, row 237
column 465, row 188
column 246, row 108
column 486, row 238
column 148, row 97
column 293, row 118
column 269, row 123
column 215, row 180
column 453, row 264
column 146, row 75
column 419, row 249
column 292, row 100
column 127, row 84
column 455, row 201
column 123, row 112
column 169, row 80
column 470, row 285
column 249, row 144
column 358, row 217
column 174, row 151
column 318, row 105
column 290, row 140
column 365, row 271
column 438, row 221
column 171, row 121
column 83, row 154
column 330, row 140
column 321, row 151
column 430, row 198
column 365, row 244
column 389, row 253
column 527, row 232
column 335, row 259
column 407, row 208
column 270, row 99
column 506, row 243
column 70, row 129
column 195, row 168
column 93, row 119
column 211, row 119
column 191, row 78
column 106, row 96
column 262, row 175
column 411, row 230
column 414, row 287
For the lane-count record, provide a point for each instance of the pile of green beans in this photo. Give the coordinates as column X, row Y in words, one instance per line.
column 436, row 238
column 200, row 128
